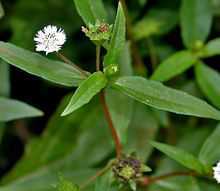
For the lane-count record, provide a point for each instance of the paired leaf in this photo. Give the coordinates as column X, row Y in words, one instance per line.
column 117, row 41
column 161, row 97
column 209, row 153
column 195, row 20
column 181, row 156
column 54, row 71
column 86, row 91
column 91, row 10
column 208, row 80
column 174, row 65
column 12, row 110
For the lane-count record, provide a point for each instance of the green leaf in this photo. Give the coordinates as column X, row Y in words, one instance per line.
column 65, row 185
column 117, row 41
column 174, row 65
column 181, row 156
column 2, row 13
column 103, row 183
column 209, row 153
column 91, row 10
column 86, row 91
column 12, row 110
column 54, row 71
column 71, row 150
column 161, row 97
column 143, row 127
column 208, row 81
column 156, row 22
column 212, row 48
column 195, row 20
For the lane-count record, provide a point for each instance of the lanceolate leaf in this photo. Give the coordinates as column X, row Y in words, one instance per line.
column 161, row 97
column 54, row 71
column 208, row 80
column 12, row 109
column 174, row 65
column 117, row 42
column 86, row 91
column 91, row 10
column 209, row 153
column 196, row 20
column 181, row 156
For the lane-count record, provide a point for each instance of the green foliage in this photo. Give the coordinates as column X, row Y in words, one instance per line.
column 117, row 41
column 156, row 22
column 12, row 109
column 65, row 185
column 208, row 80
column 161, row 97
column 196, row 20
column 55, row 71
column 174, row 65
column 209, row 154
column 85, row 138
column 184, row 158
column 91, row 11
column 85, row 92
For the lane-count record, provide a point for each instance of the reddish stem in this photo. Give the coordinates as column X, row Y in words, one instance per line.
column 110, row 124
column 149, row 180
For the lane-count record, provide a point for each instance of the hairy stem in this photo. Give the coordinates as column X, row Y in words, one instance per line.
column 111, row 125
column 98, row 52
column 149, row 180
column 106, row 110
column 66, row 60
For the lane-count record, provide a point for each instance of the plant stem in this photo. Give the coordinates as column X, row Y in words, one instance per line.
column 111, row 125
column 66, row 60
column 98, row 52
column 149, row 180
column 106, row 110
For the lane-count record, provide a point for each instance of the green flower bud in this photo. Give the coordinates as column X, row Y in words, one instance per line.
column 99, row 32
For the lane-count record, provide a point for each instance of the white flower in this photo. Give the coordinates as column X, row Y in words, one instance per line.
column 50, row 39
column 217, row 172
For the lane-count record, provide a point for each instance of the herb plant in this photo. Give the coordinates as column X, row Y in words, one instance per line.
column 125, row 118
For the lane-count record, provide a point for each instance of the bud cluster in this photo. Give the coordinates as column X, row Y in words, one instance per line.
column 99, row 32
column 129, row 169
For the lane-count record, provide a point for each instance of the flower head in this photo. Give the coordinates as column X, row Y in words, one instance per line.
column 98, row 32
column 217, row 172
column 50, row 39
